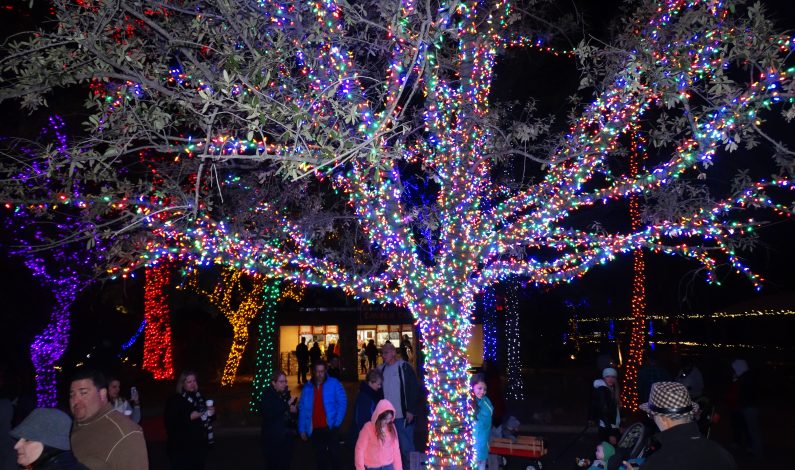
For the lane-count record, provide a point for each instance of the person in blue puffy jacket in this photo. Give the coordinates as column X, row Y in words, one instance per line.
column 321, row 410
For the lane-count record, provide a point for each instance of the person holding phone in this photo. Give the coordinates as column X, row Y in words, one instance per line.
column 130, row 408
column 277, row 408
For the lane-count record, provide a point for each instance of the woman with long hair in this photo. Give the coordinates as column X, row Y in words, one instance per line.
column 130, row 408
column 189, row 427
column 377, row 447
column 483, row 411
column 276, row 409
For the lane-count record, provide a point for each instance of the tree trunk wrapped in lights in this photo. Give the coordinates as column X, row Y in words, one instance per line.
column 157, row 332
column 637, row 340
column 202, row 105
column 266, row 346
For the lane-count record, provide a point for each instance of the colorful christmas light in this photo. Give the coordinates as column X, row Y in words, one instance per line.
column 483, row 236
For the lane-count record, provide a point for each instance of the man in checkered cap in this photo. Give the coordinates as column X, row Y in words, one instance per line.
column 681, row 445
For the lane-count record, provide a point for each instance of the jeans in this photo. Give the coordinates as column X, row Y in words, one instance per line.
column 405, row 434
column 327, row 448
column 383, row 467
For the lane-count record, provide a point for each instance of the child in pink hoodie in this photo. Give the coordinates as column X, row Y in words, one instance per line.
column 377, row 447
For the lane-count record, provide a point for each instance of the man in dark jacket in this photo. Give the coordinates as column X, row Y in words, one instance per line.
column 681, row 445
column 402, row 389
column 302, row 355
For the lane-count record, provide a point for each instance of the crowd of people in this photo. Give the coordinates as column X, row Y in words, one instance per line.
column 103, row 432
column 677, row 407
column 382, row 427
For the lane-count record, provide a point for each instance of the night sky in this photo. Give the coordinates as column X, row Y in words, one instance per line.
column 674, row 285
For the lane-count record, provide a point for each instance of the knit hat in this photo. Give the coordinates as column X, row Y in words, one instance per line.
column 609, row 372
column 670, row 399
column 608, row 450
column 49, row 426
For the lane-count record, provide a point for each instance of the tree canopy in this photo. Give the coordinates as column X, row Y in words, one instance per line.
column 396, row 162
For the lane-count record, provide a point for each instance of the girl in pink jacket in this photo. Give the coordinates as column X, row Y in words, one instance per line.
column 377, row 447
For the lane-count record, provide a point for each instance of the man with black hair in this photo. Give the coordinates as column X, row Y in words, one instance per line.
column 103, row 438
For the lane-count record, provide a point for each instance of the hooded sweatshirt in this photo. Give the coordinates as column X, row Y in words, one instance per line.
column 370, row 451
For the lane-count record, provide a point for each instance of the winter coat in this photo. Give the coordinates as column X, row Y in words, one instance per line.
column 364, row 407
column 334, row 402
column 482, row 428
column 410, row 400
column 183, row 432
column 370, row 451
column 604, row 407
column 682, row 447
column 275, row 414
column 56, row 459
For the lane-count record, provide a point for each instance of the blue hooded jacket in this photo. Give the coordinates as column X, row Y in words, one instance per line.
column 335, row 403
column 482, row 428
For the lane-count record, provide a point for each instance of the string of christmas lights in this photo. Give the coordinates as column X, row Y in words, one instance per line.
column 513, row 350
column 488, row 303
column 637, row 341
column 266, row 346
column 157, row 333
column 477, row 242
column 251, row 302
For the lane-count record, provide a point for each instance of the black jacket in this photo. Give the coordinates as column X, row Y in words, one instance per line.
column 54, row 459
column 410, row 400
column 183, row 432
column 364, row 407
column 275, row 414
column 603, row 405
column 683, row 447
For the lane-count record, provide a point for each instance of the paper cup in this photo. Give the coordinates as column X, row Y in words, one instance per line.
column 210, row 402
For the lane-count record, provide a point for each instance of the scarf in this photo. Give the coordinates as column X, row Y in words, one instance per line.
column 197, row 401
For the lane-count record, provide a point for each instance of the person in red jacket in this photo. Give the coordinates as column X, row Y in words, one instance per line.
column 377, row 446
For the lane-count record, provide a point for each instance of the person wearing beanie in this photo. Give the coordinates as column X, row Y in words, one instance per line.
column 680, row 444
column 43, row 441
column 605, row 406
column 604, row 451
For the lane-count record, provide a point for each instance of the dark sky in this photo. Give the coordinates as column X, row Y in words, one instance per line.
column 672, row 286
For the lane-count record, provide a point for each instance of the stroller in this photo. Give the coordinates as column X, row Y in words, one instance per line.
column 632, row 446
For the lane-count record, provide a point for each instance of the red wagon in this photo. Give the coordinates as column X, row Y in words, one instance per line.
column 525, row 447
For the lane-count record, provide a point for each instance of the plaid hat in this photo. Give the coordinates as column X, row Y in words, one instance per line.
column 609, row 372
column 49, row 426
column 670, row 399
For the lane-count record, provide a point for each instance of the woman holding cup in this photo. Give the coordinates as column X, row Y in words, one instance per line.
column 188, row 419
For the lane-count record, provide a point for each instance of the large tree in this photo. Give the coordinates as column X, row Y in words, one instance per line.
column 196, row 106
